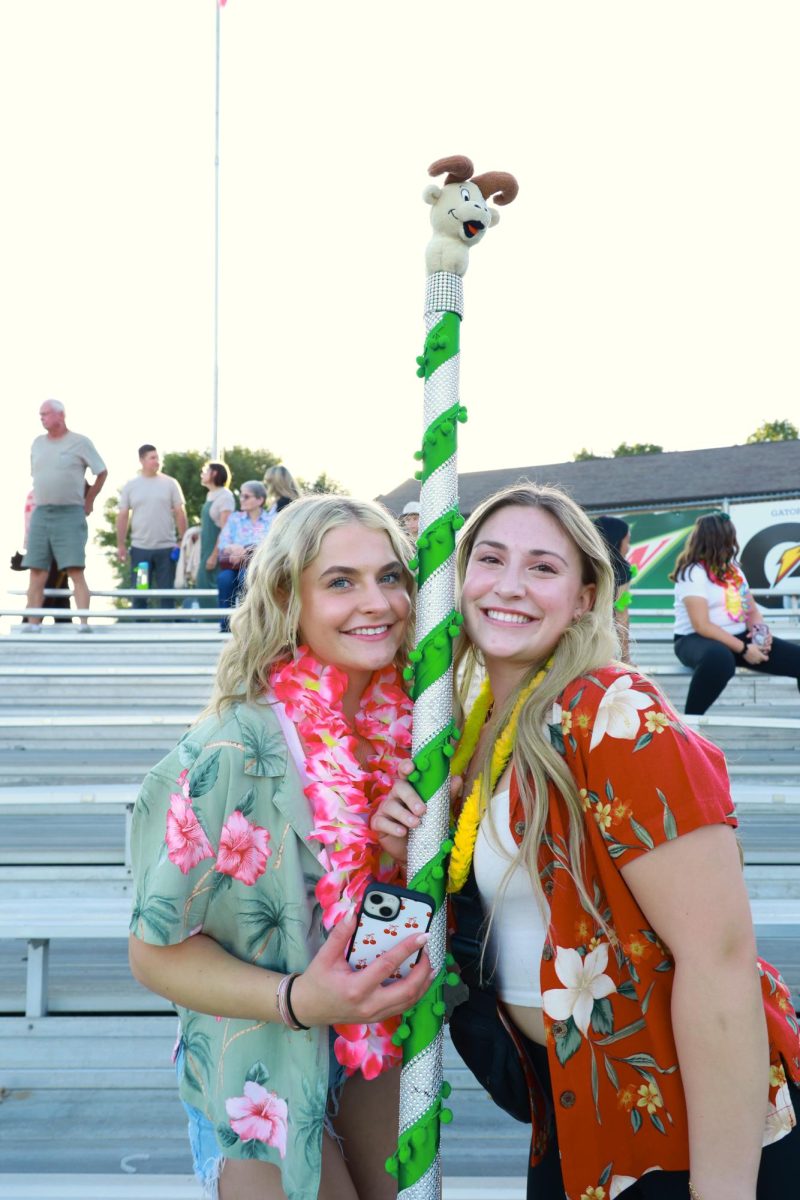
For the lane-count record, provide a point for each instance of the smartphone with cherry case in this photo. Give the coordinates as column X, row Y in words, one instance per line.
column 388, row 914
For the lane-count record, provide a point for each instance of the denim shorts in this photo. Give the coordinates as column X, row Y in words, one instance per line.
column 207, row 1157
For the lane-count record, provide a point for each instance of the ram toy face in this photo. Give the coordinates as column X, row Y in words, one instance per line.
column 460, row 211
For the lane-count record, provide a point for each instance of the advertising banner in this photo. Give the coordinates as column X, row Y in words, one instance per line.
column 657, row 539
column 769, row 547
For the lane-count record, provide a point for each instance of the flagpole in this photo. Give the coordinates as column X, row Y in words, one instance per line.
column 215, row 398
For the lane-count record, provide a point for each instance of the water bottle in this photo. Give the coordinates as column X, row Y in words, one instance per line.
column 143, row 576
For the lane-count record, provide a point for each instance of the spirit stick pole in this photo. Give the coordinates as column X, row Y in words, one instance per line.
column 422, row 1088
column 460, row 218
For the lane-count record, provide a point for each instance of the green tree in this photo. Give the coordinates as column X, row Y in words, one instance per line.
column 584, row 455
column 774, row 431
column 247, row 464
column 623, row 450
column 185, row 466
column 323, row 485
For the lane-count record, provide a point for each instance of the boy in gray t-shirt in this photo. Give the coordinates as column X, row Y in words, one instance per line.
column 153, row 505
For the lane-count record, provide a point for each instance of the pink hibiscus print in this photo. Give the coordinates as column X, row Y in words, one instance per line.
column 366, row 1047
column 187, row 844
column 259, row 1116
column 243, row 849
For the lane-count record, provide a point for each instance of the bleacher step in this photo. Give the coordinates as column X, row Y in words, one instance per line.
column 185, row 1187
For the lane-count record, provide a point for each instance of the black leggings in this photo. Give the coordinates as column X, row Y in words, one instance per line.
column 714, row 664
column 777, row 1175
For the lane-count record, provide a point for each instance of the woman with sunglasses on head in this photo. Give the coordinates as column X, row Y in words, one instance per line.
column 251, row 842
column 718, row 625
column 599, row 833
column 237, row 540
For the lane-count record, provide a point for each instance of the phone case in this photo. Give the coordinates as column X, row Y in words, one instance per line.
column 376, row 933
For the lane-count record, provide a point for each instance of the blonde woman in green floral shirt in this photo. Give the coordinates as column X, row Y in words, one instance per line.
column 251, row 840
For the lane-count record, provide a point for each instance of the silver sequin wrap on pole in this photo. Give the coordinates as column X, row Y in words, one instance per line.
column 421, row 1078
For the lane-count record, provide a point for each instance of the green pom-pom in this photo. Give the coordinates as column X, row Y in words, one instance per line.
column 403, row 1031
column 447, row 846
column 452, row 978
column 418, row 474
column 408, row 672
column 418, row 1138
column 437, row 872
column 458, row 618
column 404, row 1154
column 392, row 1167
column 458, row 521
column 453, row 631
column 446, row 1090
column 418, row 455
column 446, row 1116
column 413, row 564
column 448, row 751
column 415, row 777
column 439, row 1008
column 456, row 734
column 438, row 642
column 462, row 415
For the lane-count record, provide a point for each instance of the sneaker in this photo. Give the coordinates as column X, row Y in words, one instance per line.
column 30, row 627
column 84, row 629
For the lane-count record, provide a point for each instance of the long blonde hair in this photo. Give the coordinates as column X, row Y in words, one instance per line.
column 590, row 642
column 266, row 624
column 280, row 483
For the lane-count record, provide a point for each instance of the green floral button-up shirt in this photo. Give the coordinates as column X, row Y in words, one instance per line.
column 220, row 844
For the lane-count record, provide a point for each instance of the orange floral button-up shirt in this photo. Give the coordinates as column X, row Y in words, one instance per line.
column 644, row 779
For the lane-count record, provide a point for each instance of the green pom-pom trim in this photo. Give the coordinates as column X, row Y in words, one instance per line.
column 441, row 344
column 417, row 1147
column 436, row 543
column 440, row 440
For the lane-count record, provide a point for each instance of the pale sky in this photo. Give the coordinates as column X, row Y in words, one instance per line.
column 642, row 287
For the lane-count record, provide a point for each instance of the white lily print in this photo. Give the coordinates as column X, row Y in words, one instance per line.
column 618, row 711
column 584, row 982
column 780, row 1117
column 620, row 1182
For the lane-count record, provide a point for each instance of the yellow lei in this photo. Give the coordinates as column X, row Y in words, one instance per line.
column 466, row 833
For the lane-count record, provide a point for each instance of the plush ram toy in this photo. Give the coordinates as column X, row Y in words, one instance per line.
column 460, row 214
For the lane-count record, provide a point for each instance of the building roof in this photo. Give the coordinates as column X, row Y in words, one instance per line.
column 758, row 471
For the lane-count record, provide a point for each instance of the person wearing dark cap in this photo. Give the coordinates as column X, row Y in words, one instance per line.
column 617, row 537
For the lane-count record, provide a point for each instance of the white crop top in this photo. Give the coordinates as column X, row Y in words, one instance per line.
column 518, row 931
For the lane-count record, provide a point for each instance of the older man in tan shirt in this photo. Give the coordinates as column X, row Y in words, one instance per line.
column 58, row 529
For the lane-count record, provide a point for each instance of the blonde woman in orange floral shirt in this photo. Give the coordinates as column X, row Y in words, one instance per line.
column 600, row 833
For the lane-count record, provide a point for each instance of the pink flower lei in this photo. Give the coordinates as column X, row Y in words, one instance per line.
column 343, row 794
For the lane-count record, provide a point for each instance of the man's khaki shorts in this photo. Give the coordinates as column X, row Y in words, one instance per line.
column 58, row 531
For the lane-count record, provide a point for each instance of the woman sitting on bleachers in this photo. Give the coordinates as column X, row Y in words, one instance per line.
column 718, row 625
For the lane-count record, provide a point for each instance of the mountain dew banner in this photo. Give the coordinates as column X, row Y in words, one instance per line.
column 657, row 539
column 769, row 547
